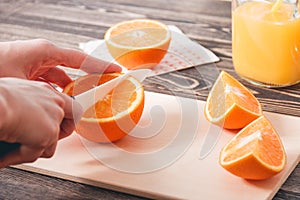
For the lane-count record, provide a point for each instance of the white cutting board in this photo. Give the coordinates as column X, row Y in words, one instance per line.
column 162, row 158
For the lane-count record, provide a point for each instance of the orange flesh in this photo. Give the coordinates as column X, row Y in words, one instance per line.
column 235, row 94
column 103, row 108
column 228, row 92
column 131, row 26
column 259, row 139
column 138, row 34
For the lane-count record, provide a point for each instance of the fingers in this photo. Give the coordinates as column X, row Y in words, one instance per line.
column 49, row 152
column 79, row 60
column 57, row 76
column 73, row 112
column 45, row 65
column 26, row 154
column 29, row 151
column 66, row 128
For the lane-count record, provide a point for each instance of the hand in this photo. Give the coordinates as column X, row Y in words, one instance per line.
column 38, row 60
column 35, row 116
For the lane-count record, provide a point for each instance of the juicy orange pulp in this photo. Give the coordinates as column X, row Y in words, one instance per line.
column 230, row 104
column 140, row 43
column 255, row 153
column 113, row 117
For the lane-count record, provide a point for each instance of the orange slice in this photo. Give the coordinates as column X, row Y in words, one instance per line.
column 230, row 104
column 140, row 43
column 256, row 152
column 113, row 117
column 276, row 5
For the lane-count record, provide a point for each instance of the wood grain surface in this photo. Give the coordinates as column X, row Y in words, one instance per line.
column 69, row 22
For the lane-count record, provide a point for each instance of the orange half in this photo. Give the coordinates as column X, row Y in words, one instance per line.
column 113, row 117
column 140, row 43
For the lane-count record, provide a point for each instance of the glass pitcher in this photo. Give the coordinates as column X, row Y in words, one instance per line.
column 266, row 41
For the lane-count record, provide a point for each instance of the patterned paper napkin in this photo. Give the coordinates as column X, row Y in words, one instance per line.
column 182, row 53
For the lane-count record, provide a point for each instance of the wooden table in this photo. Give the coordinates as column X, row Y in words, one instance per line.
column 69, row 22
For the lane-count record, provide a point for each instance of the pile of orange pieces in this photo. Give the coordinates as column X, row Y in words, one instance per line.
column 256, row 151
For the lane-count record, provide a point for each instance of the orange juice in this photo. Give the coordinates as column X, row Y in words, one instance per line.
column 266, row 44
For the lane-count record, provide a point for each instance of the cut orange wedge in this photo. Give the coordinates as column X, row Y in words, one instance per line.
column 255, row 153
column 230, row 104
column 140, row 43
column 113, row 117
